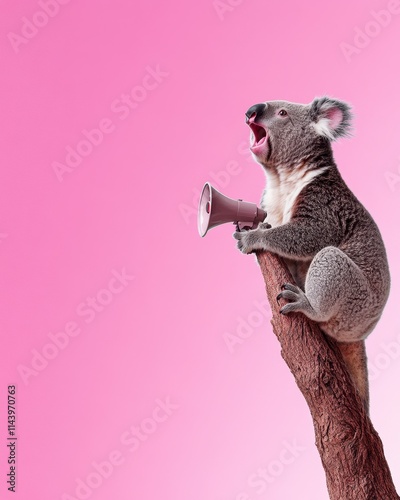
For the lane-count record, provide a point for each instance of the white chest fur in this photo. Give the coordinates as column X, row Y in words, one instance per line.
column 282, row 191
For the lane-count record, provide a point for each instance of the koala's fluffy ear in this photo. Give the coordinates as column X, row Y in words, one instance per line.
column 330, row 118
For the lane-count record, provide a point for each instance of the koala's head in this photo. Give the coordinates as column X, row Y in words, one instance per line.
column 285, row 132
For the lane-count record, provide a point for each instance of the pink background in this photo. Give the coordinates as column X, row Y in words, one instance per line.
column 129, row 205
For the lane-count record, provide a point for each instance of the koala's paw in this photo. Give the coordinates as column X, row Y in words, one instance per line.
column 248, row 241
column 296, row 297
column 264, row 225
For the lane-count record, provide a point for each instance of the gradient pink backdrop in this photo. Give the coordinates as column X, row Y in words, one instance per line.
column 129, row 204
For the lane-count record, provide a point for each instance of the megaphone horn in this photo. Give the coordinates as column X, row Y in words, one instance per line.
column 216, row 208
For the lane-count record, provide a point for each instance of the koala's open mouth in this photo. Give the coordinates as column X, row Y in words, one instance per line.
column 258, row 139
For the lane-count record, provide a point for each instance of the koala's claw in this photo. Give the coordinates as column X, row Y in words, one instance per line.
column 293, row 294
column 289, row 286
column 289, row 292
column 245, row 241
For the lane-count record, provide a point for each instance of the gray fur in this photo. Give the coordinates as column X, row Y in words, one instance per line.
column 330, row 242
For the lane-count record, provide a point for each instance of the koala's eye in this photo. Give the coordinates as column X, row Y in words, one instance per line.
column 282, row 112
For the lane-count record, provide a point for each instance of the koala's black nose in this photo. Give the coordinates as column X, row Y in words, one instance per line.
column 255, row 110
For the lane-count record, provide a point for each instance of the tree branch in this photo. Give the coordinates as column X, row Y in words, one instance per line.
column 350, row 448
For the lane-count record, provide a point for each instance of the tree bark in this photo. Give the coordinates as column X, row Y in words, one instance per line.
column 350, row 448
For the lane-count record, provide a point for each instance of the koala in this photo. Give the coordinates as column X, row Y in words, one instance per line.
column 329, row 241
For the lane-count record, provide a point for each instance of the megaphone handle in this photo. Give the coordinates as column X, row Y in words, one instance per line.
column 244, row 226
column 237, row 223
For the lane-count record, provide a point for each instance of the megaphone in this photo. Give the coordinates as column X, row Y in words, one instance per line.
column 216, row 208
